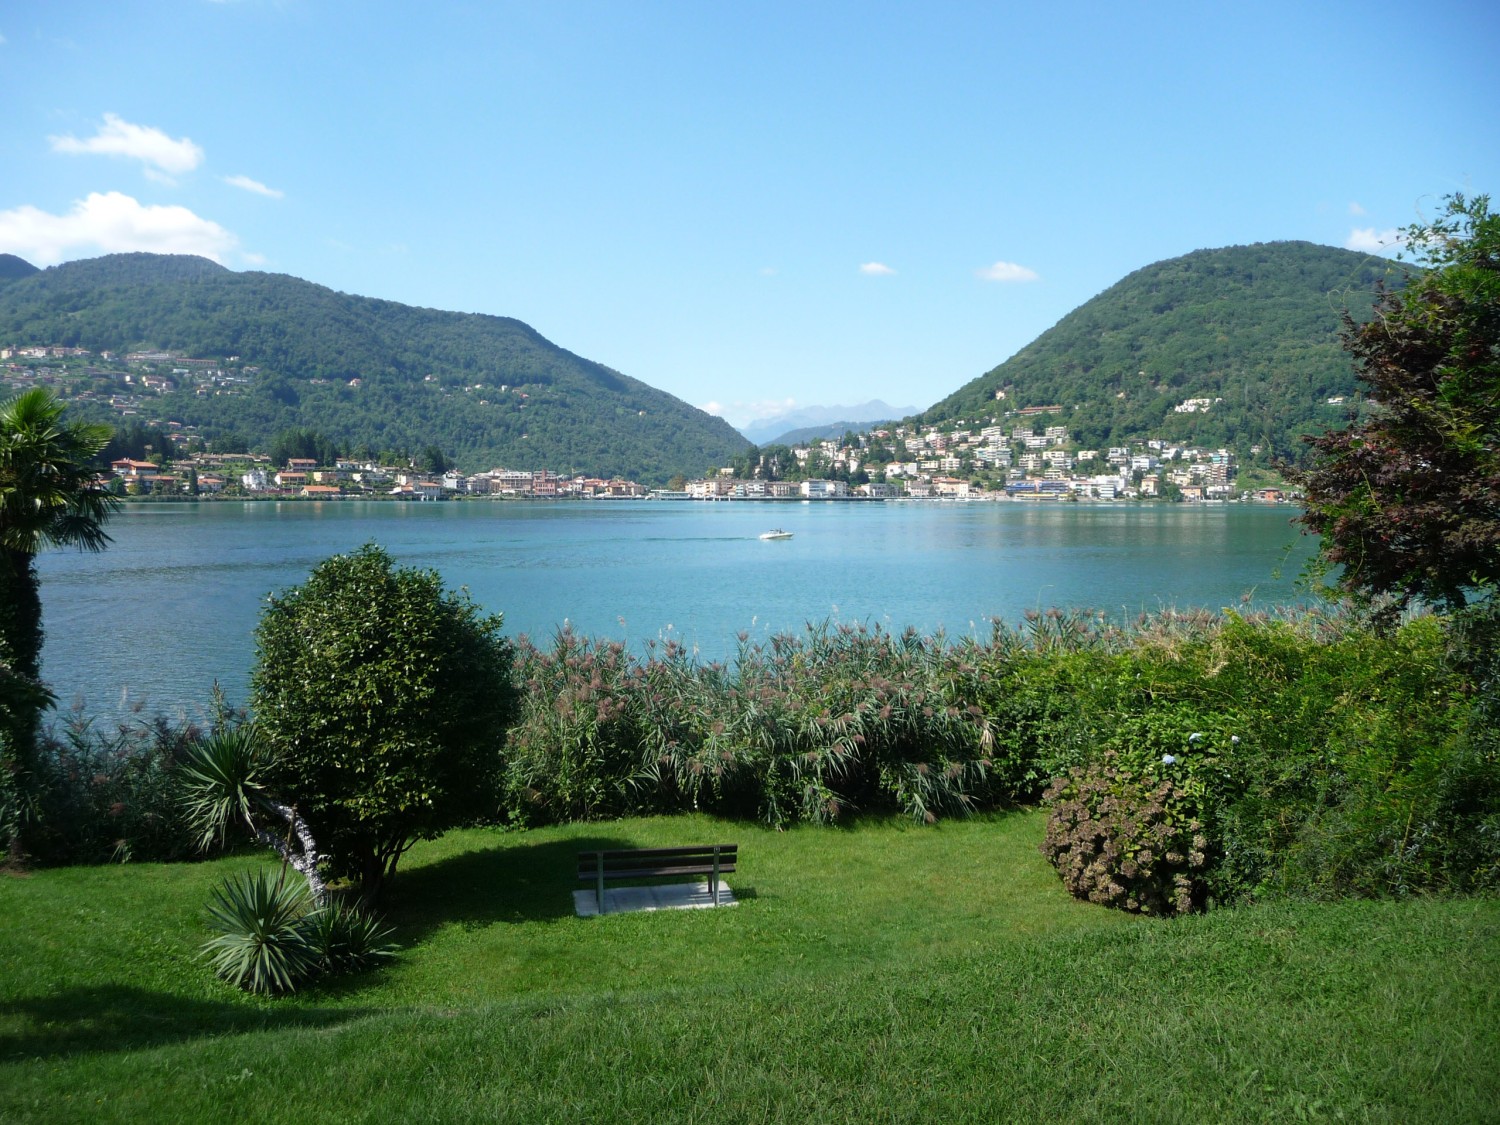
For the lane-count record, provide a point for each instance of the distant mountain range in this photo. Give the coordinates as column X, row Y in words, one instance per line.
column 1235, row 347
column 807, row 423
column 486, row 390
column 1249, row 332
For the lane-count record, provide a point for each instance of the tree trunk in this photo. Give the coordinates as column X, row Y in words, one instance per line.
column 21, row 713
column 303, row 857
column 20, row 613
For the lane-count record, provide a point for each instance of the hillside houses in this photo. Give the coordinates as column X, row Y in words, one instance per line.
column 1023, row 454
column 1033, row 460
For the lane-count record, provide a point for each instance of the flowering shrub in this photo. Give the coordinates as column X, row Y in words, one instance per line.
column 1129, row 836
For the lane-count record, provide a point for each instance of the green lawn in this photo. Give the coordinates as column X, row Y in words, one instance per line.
column 881, row 973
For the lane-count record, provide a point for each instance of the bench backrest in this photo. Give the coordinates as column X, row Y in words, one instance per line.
column 653, row 863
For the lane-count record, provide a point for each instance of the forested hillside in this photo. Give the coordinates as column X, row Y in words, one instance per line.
column 12, row 267
column 487, row 390
column 1252, row 329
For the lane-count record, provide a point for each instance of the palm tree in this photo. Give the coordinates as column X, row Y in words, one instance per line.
column 49, row 496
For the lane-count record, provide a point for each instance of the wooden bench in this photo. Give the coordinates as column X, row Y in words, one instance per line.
column 656, row 863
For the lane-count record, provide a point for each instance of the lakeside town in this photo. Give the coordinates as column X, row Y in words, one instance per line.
column 1023, row 453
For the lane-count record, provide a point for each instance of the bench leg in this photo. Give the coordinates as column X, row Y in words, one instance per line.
column 713, row 883
column 600, row 884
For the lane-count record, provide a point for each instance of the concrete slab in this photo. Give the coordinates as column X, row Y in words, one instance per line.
column 671, row 896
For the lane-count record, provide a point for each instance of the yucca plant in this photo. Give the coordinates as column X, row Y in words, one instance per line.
column 347, row 939
column 262, row 944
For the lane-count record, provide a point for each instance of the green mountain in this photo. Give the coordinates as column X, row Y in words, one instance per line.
column 12, row 267
column 486, row 390
column 1252, row 329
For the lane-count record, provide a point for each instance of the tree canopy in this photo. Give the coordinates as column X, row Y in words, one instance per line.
column 1407, row 500
column 383, row 700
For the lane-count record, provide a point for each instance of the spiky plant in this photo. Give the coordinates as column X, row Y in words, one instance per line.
column 223, row 790
column 262, row 944
column 347, row 939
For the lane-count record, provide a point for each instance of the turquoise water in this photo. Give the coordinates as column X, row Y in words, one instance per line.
column 172, row 605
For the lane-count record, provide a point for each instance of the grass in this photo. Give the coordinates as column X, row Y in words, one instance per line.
column 883, row 972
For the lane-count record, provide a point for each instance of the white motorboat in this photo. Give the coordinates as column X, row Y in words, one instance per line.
column 776, row 533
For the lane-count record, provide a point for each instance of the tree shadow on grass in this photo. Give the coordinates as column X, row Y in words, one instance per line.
column 120, row 1018
column 517, row 881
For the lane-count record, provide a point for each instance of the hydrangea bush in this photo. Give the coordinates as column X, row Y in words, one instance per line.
column 1131, row 829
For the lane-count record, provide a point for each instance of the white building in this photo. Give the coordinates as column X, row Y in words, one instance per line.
column 824, row 489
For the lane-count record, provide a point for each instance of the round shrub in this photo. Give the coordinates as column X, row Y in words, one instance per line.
column 1123, row 837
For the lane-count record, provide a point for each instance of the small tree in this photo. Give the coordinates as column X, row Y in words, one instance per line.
column 384, row 702
column 1407, row 501
column 49, row 497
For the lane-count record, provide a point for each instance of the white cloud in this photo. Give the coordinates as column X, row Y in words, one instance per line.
column 153, row 148
column 247, row 184
column 1006, row 271
column 110, row 223
column 1373, row 241
column 1355, row 209
column 876, row 269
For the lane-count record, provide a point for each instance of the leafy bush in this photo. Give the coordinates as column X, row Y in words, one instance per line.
column 1131, row 830
column 384, row 699
column 1334, row 760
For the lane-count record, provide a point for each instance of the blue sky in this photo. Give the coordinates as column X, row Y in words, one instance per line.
column 745, row 205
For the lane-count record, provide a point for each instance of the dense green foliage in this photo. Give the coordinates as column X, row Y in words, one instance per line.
column 425, row 377
column 383, row 701
column 877, row 973
column 1308, row 754
column 12, row 267
column 1257, row 326
column 1312, row 754
column 1407, row 500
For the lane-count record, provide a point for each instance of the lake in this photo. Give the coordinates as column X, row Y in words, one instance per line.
column 171, row 606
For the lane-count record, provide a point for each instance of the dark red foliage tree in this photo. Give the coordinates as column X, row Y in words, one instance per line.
column 1407, row 499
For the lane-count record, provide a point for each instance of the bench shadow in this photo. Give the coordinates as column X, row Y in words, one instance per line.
column 107, row 1018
